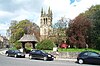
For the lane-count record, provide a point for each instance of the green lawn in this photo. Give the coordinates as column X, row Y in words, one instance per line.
column 68, row 50
column 73, row 50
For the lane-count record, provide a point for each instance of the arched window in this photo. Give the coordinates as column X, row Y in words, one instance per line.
column 46, row 20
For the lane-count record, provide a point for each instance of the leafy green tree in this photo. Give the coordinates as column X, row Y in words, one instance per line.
column 60, row 30
column 95, row 32
column 45, row 45
column 18, row 29
column 89, row 13
column 93, row 14
column 17, row 45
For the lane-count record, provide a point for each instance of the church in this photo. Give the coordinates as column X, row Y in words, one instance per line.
column 45, row 31
column 45, row 24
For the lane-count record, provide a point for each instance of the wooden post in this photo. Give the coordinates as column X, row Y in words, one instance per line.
column 33, row 45
column 23, row 46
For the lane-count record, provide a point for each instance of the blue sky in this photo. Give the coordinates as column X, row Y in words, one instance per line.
column 30, row 9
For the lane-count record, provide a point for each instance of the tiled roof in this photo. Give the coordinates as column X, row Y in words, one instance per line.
column 28, row 38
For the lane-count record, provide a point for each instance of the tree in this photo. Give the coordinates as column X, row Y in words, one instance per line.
column 45, row 45
column 93, row 14
column 78, row 31
column 18, row 29
column 36, row 31
column 60, row 30
column 95, row 32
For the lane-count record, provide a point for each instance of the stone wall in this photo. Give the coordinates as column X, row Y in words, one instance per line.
column 69, row 55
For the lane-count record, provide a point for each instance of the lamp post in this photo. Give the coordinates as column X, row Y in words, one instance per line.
column 86, row 42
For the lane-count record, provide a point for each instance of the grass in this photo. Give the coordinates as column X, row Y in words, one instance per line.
column 66, row 50
column 48, row 50
column 76, row 50
column 73, row 50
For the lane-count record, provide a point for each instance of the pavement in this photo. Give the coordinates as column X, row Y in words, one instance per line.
column 2, row 52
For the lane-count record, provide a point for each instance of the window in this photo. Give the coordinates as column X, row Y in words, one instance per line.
column 44, row 20
column 17, row 51
column 33, row 51
column 38, row 52
column 85, row 54
column 93, row 54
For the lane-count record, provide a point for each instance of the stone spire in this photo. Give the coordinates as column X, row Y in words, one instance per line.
column 42, row 12
column 49, row 12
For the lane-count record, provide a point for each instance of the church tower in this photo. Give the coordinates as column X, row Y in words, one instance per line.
column 45, row 24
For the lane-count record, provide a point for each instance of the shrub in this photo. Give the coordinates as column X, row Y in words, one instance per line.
column 17, row 45
column 13, row 48
column 45, row 45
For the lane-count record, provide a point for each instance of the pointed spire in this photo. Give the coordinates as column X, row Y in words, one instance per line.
column 49, row 11
column 42, row 12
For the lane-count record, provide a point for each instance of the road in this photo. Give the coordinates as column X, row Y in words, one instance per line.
column 10, row 61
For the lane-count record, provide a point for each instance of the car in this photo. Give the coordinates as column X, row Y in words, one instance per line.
column 40, row 54
column 90, row 57
column 14, row 53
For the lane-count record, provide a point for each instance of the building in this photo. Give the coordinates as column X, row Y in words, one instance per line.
column 45, row 24
column 3, row 41
column 28, row 39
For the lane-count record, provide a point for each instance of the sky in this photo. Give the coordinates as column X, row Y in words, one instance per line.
column 31, row 9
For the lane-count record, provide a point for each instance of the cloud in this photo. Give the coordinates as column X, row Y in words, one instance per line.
column 81, row 7
column 30, row 9
column 5, row 13
column 2, row 26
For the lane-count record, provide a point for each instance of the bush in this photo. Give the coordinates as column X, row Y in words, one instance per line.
column 45, row 45
column 17, row 45
column 13, row 48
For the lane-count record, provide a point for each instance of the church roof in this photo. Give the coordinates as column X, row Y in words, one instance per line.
column 28, row 38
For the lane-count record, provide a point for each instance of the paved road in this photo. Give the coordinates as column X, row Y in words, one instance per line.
column 10, row 61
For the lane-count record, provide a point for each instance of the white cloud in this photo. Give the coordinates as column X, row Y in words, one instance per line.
column 57, row 5
column 59, row 8
column 4, row 26
column 63, row 8
column 20, row 1
column 80, row 7
column 21, row 14
column 5, row 13
column 25, row 14
column 31, row 10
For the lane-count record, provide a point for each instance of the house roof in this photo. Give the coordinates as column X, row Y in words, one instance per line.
column 28, row 38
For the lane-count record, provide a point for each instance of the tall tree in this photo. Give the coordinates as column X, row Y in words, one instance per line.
column 93, row 14
column 95, row 33
column 78, row 31
column 36, row 31
column 17, row 30
column 60, row 29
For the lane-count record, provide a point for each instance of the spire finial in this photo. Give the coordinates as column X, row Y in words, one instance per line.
column 42, row 12
column 49, row 10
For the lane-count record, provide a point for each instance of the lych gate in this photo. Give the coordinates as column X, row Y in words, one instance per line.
column 28, row 39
